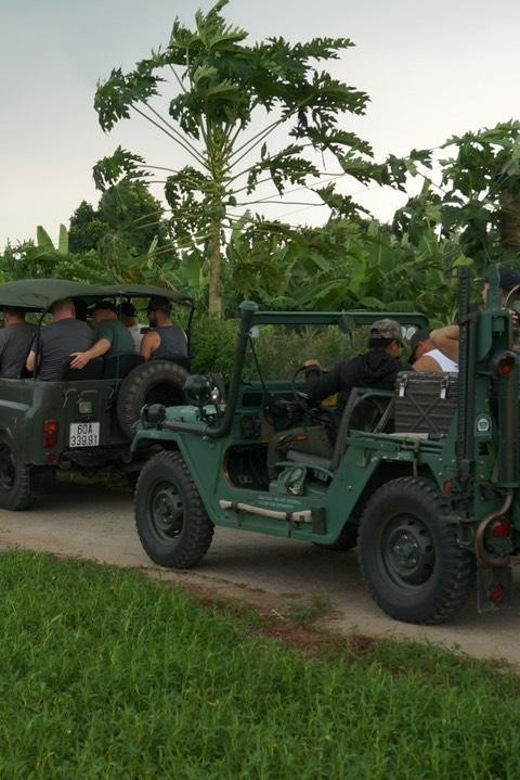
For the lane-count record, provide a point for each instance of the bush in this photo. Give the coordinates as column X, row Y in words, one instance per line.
column 214, row 344
column 280, row 350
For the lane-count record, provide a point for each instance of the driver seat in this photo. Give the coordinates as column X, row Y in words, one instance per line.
column 365, row 410
column 305, row 443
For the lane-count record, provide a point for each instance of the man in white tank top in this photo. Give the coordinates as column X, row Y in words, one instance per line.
column 426, row 358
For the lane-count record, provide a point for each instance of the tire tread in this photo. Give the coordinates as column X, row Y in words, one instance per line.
column 198, row 529
column 451, row 593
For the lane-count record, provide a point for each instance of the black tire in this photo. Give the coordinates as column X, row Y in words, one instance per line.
column 172, row 523
column 16, row 491
column 347, row 540
column 409, row 553
column 158, row 381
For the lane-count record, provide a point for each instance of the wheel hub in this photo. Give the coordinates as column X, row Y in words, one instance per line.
column 167, row 511
column 408, row 551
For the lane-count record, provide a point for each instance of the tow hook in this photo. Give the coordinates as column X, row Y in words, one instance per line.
column 482, row 555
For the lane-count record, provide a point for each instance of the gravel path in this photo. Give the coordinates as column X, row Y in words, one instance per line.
column 97, row 523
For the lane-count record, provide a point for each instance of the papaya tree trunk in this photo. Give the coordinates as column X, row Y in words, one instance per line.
column 215, row 270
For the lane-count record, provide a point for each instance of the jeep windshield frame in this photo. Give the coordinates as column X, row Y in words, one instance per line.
column 251, row 316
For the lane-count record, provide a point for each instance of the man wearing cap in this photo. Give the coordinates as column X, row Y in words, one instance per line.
column 376, row 368
column 165, row 341
column 112, row 338
column 426, row 358
column 128, row 316
column 16, row 338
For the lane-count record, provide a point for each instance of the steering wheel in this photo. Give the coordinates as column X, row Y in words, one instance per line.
column 319, row 414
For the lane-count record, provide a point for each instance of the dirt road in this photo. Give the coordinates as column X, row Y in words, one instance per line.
column 97, row 523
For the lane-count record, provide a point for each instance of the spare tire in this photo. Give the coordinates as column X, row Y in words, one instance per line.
column 155, row 382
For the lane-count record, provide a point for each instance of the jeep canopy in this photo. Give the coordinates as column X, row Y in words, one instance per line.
column 38, row 295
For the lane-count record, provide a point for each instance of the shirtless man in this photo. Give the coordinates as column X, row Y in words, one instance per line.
column 447, row 339
column 426, row 357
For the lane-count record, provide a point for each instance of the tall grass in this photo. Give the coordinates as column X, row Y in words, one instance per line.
column 107, row 675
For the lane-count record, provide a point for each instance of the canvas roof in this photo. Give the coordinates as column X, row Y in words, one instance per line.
column 40, row 294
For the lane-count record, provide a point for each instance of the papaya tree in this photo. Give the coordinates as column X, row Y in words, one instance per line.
column 246, row 115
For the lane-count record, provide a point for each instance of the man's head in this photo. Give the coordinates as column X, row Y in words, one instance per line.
column 13, row 315
column 128, row 313
column 63, row 310
column 159, row 310
column 386, row 335
column 508, row 279
column 104, row 310
column 420, row 343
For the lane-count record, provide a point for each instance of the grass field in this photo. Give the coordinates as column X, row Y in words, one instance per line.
column 107, row 675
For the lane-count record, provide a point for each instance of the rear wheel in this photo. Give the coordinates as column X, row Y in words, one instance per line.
column 412, row 562
column 172, row 523
column 15, row 479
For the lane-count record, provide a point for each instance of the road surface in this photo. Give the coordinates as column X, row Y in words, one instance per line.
column 97, row 523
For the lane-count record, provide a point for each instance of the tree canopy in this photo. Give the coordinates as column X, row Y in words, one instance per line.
column 228, row 102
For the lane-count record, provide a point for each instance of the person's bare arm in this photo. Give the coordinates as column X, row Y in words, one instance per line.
column 82, row 358
column 30, row 363
column 150, row 344
column 447, row 341
column 426, row 365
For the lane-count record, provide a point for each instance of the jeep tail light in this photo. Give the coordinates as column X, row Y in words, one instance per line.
column 501, row 529
column 50, row 433
column 497, row 593
column 505, row 365
column 448, row 487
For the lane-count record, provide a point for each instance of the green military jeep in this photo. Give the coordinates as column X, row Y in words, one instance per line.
column 83, row 423
column 423, row 479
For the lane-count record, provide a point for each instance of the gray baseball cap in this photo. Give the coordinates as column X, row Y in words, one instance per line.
column 386, row 329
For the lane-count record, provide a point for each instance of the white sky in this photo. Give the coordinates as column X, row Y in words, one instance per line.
column 431, row 72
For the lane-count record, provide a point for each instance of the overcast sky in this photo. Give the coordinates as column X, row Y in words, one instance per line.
column 431, row 70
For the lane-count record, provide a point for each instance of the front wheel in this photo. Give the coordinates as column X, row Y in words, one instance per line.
column 409, row 553
column 172, row 523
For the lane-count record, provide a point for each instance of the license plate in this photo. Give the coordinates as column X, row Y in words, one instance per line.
column 84, row 434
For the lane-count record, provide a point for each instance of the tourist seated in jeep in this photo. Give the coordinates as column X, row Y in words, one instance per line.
column 58, row 340
column 447, row 339
column 112, row 337
column 376, row 368
column 16, row 338
column 426, row 357
column 165, row 340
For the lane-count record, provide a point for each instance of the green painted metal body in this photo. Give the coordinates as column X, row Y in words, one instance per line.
column 25, row 405
column 313, row 502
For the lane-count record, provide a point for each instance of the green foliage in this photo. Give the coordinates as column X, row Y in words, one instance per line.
column 345, row 265
column 476, row 208
column 280, row 351
column 214, row 344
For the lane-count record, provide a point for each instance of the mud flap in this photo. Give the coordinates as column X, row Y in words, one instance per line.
column 494, row 588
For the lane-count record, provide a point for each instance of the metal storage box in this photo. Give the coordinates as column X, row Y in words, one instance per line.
column 425, row 403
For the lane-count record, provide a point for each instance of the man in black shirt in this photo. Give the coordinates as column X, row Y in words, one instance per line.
column 376, row 368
